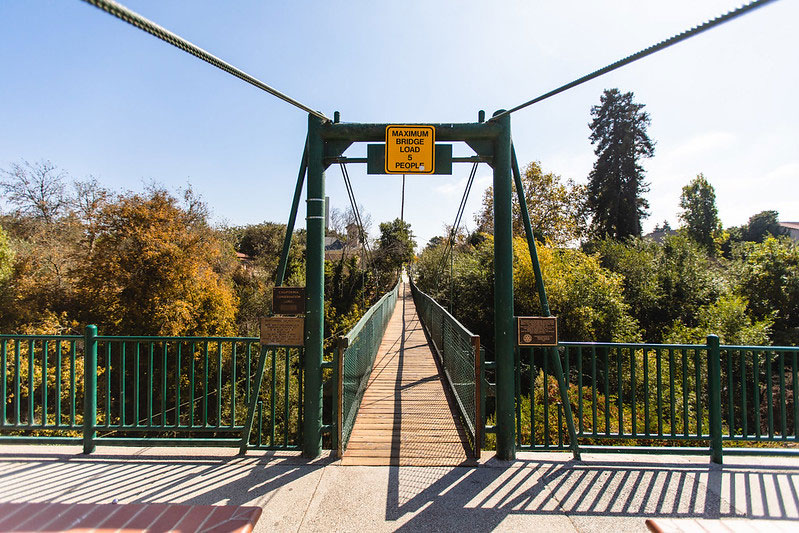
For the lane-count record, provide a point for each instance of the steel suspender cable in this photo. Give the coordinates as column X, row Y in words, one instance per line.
column 696, row 30
column 356, row 212
column 131, row 17
column 457, row 223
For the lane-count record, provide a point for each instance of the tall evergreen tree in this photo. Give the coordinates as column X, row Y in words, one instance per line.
column 616, row 183
column 699, row 212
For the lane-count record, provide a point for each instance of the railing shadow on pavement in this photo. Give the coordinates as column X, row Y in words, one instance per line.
column 194, row 479
column 482, row 498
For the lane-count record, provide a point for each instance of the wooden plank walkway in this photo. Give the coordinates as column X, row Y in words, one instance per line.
column 406, row 417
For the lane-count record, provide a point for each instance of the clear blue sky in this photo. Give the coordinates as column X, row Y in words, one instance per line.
column 99, row 97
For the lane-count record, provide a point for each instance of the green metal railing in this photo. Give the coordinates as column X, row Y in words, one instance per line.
column 630, row 397
column 355, row 358
column 41, row 387
column 148, row 390
column 458, row 351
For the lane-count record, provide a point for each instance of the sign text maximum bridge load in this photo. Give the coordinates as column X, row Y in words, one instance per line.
column 491, row 141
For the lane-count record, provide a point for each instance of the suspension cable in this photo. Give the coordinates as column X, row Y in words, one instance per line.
column 696, row 30
column 458, row 218
column 356, row 212
column 131, row 17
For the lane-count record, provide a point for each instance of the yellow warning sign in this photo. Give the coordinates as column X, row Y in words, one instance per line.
column 410, row 149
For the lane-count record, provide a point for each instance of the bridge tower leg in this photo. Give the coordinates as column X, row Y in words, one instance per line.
column 315, row 292
column 503, row 293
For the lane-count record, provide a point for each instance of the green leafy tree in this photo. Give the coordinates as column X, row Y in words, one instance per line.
column 394, row 249
column 729, row 318
column 699, row 212
column 637, row 261
column 348, row 295
column 768, row 277
column 587, row 298
column 616, row 183
column 665, row 282
column 556, row 207
column 761, row 226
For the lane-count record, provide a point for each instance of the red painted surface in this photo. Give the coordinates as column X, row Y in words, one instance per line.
column 156, row 517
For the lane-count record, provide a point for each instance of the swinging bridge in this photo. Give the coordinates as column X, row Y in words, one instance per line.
column 411, row 385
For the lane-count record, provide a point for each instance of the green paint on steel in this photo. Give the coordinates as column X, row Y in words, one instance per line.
column 714, row 398
column 376, row 159
column 503, row 292
column 89, row 388
column 284, row 254
column 528, row 231
column 377, row 132
column 315, row 291
column 358, row 350
column 455, row 346
column 253, row 400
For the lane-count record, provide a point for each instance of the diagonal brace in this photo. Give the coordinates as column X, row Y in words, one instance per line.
column 256, row 392
column 542, row 295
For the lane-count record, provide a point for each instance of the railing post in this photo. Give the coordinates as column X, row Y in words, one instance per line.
column 714, row 397
column 339, row 434
column 89, row 387
column 478, row 398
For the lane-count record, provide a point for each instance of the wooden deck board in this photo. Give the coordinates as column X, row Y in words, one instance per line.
column 405, row 416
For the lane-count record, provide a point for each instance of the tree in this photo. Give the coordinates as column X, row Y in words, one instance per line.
column 699, row 212
column 761, row 226
column 394, row 248
column 768, row 277
column 341, row 221
column 36, row 190
column 157, row 269
column 344, row 225
column 587, row 298
column 663, row 282
column 665, row 227
column 6, row 257
column 727, row 317
column 616, row 183
column 556, row 208
column 90, row 198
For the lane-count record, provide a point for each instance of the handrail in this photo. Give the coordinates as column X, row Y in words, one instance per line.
column 641, row 345
column 355, row 357
column 458, row 351
column 356, row 329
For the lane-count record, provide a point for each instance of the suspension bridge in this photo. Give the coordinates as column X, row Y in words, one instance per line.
column 408, row 365
column 409, row 385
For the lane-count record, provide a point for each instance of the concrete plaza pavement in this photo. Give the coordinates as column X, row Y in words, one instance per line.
column 537, row 492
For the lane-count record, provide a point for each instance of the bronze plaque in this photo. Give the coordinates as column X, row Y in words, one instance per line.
column 283, row 331
column 537, row 330
column 288, row 300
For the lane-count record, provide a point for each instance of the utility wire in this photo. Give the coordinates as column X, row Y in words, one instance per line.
column 696, row 30
column 131, row 17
